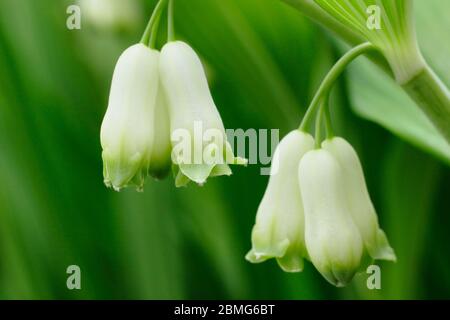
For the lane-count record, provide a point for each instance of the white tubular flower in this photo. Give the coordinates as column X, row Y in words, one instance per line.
column 200, row 147
column 279, row 229
column 127, row 131
column 360, row 205
column 332, row 239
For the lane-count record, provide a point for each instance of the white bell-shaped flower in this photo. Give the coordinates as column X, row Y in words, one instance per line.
column 127, row 131
column 279, row 228
column 333, row 241
column 360, row 204
column 200, row 147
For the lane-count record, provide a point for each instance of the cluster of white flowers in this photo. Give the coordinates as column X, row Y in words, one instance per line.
column 317, row 206
column 153, row 96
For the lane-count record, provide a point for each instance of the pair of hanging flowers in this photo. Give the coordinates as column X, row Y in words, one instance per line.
column 316, row 205
column 157, row 100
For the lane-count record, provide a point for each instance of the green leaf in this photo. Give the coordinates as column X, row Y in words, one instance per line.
column 376, row 97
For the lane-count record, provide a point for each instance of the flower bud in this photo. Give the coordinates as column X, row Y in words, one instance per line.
column 279, row 228
column 200, row 147
column 127, row 131
column 332, row 239
column 360, row 205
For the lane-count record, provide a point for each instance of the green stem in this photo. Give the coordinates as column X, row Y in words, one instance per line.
column 153, row 20
column 331, row 78
column 426, row 89
column 171, row 28
column 154, row 33
column 433, row 97
column 320, row 16
column 328, row 125
column 318, row 129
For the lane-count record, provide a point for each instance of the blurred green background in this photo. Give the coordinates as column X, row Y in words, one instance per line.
column 264, row 60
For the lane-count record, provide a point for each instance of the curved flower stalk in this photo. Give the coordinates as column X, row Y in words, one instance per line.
column 279, row 228
column 395, row 39
column 311, row 9
column 360, row 204
column 332, row 239
column 127, row 132
column 200, row 147
column 325, row 213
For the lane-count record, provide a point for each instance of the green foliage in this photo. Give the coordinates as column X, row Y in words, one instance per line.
column 263, row 60
column 376, row 97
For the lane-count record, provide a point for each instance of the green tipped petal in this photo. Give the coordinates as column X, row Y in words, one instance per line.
column 291, row 261
column 199, row 144
column 332, row 239
column 221, row 170
column 382, row 250
column 279, row 228
column 120, row 173
column 180, row 179
column 198, row 173
column 127, row 133
column 359, row 202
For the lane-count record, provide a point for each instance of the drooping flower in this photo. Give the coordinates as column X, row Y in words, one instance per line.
column 333, row 241
column 128, row 131
column 200, row 147
column 360, row 204
column 279, row 228
column 393, row 34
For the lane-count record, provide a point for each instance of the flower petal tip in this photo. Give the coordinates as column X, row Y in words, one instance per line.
column 255, row 257
column 291, row 264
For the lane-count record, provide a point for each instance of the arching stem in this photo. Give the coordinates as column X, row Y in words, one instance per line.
column 154, row 19
column 171, row 27
column 331, row 78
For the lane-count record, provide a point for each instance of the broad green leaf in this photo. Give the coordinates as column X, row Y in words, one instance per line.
column 378, row 98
